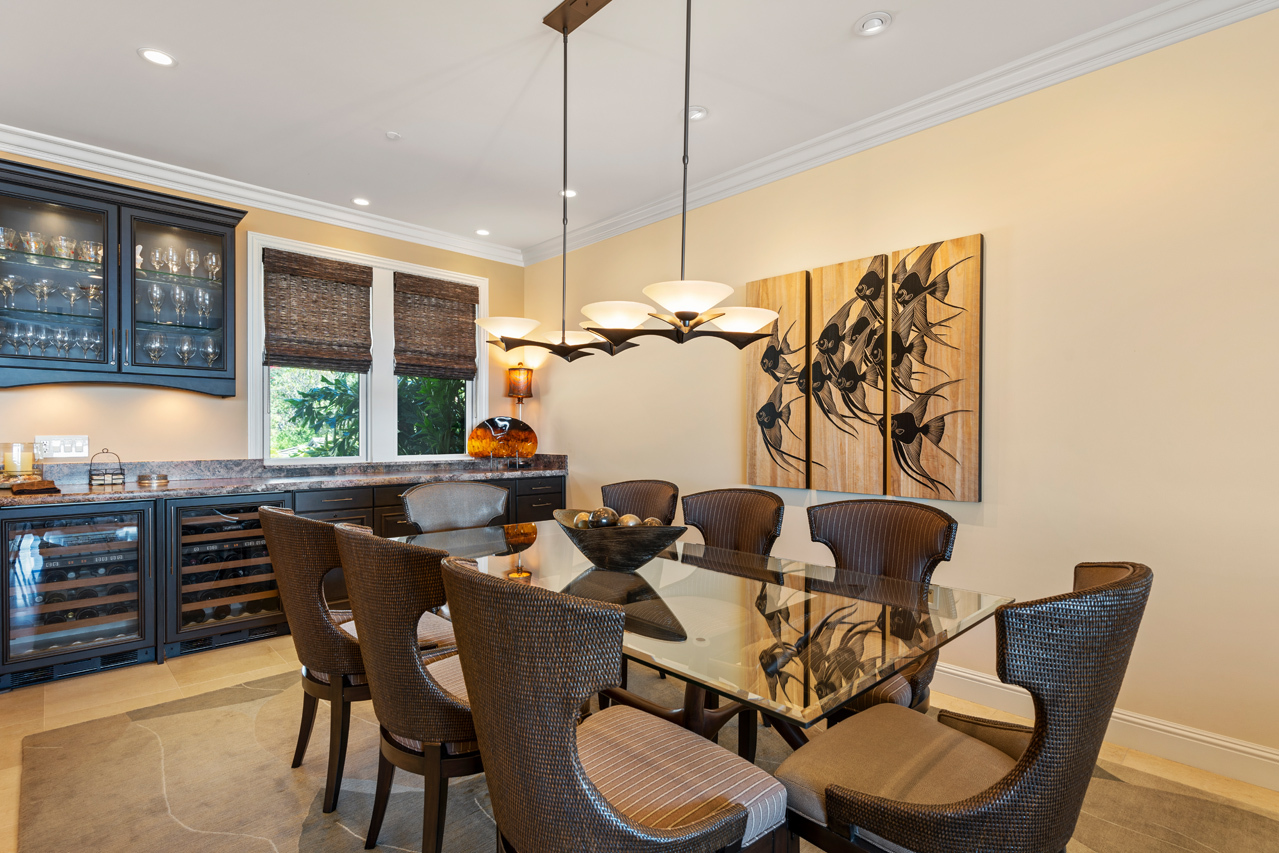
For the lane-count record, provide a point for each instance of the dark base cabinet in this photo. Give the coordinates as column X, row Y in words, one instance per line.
column 219, row 582
column 79, row 590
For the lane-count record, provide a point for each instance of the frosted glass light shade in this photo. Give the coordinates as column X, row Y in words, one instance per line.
column 617, row 315
column 573, row 339
column 507, row 327
column 743, row 319
column 694, row 296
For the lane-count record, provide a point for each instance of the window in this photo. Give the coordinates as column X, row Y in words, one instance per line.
column 339, row 415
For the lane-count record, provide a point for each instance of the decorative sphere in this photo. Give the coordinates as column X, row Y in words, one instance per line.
column 604, row 517
column 582, row 520
column 629, row 520
column 652, row 522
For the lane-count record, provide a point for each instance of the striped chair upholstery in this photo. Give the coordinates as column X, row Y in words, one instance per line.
column 748, row 520
column 622, row 781
column 898, row 540
column 453, row 506
column 645, row 498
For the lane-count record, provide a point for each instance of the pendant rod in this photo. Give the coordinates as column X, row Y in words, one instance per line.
column 688, row 60
column 564, row 199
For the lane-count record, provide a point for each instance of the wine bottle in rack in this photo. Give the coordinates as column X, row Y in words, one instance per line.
column 52, row 576
column 87, row 613
column 55, row 619
column 55, row 597
column 118, row 589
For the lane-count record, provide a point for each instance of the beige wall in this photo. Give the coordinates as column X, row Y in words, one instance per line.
column 1132, row 221
column 165, row 424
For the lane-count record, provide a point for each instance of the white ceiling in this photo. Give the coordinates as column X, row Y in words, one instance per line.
column 296, row 95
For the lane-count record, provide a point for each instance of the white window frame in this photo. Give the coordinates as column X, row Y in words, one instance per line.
column 378, row 432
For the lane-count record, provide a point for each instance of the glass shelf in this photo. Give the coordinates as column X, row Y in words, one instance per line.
column 46, row 318
column 140, row 274
column 46, row 262
column 172, row 326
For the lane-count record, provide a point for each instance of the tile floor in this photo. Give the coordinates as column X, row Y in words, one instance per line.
column 50, row 706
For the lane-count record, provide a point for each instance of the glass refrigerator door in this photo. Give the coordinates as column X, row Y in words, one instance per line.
column 73, row 583
column 226, row 574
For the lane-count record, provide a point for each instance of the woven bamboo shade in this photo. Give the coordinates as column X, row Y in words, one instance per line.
column 434, row 327
column 317, row 313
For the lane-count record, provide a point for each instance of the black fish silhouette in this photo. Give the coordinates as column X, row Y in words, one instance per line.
column 818, row 381
column 910, row 429
column 773, row 361
column 916, row 282
column 771, row 417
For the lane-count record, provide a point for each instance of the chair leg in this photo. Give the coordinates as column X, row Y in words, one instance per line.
column 339, row 728
column 747, row 723
column 309, row 704
column 435, row 802
column 385, row 776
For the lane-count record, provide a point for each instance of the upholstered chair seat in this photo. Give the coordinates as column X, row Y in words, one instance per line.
column 432, row 631
column 645, row 498
column 662, row 775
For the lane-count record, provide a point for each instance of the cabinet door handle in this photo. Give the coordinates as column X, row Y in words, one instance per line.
column 111, row 345
column 125, row 349
column 335, row 500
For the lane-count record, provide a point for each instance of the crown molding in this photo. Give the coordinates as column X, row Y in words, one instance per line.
column 1147, row 31
column 67, row 152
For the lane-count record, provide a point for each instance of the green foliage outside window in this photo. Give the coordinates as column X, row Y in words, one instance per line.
column 314, row 413
column 432, row 416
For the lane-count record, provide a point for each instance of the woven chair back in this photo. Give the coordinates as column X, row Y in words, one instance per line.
column 748, row 520
column 303, row 551
column 645, row 498
column 454, row 506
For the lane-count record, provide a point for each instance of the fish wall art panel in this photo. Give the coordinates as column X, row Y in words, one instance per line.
column 934, row 355
column 776, row 399
column 846, row 377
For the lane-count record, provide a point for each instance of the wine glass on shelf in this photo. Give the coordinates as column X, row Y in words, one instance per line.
column 203, row 304
column 62, row 341
column 155, row 295
column 171, row 260
column 44, row 340
column 92, row 292
column 28, row 337
column 62, row 248
column 4, row 335
column 84, row 341
column 185, row 349
column 157, row 258
column 210, row 350
column 10, row 285
column 8, row 238
column 95, row 344
column 181, row 299
column 156, row 346
column 32, row 242
column 193, row 260
column 41, row 290
column 72, row 294
column 213, row 263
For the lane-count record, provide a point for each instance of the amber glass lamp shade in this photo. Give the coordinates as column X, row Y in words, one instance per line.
column 519, row 382
column 502, row 438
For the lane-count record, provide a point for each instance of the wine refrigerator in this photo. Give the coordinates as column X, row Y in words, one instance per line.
column 78, row 590
column 220, row 585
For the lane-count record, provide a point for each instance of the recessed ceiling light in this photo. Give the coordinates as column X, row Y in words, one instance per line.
column 569, row 193
column 159, row 57
column 362, row 202
column 696, row 113
column 392, row 135
column 873, row 24
column 483, row 232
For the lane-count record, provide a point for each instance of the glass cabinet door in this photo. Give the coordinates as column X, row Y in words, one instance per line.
column 57, row 296
column 73, row 583
column 176, row 302
column 226, row 573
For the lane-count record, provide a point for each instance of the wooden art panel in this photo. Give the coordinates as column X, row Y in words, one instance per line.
column 935, row 351
column 776, row 405
column 850, row 305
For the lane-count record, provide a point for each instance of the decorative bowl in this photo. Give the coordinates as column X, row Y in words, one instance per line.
column 618, row 549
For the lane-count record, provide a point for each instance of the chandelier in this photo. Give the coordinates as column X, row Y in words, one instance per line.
column 689, row 305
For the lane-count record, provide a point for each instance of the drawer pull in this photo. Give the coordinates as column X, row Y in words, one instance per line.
column 358, row 518
column 539, row 506
column 336, row 500
column 544, row 488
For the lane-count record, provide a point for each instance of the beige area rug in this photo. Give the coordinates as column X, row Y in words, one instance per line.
column 211, row 774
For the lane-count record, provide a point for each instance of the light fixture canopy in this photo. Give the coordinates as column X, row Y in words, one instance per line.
column 873, row 24
column 743, row 319
column 157, row 57
column 617, row 315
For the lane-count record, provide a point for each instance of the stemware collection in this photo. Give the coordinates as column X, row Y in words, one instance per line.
column 61, row 249
column 63, row 340
column 168, row 260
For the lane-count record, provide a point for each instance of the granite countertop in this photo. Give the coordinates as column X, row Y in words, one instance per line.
column 238, row 476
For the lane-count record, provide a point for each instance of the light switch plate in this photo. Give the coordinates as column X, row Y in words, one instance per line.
column 64, row 446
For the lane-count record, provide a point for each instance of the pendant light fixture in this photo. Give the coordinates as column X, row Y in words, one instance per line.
column 612, row 326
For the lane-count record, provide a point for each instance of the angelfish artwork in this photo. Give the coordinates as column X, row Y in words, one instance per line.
column 881, row 392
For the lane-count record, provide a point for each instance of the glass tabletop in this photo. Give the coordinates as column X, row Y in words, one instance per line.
column 794, row 639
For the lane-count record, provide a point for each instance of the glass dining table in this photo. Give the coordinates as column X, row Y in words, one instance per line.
column 792, row 640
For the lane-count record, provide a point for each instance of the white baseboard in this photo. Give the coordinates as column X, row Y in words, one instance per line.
column 1225, row 756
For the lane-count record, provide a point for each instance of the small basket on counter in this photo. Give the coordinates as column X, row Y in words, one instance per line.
column 104, row 473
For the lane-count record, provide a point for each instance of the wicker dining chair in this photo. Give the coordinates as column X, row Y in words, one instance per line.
column 645, row 498
column 454, row 506
column 900, row 540
column 303, row 551
column 419, row 697
column 622, row 780
column 891, row 778
column 748, row 520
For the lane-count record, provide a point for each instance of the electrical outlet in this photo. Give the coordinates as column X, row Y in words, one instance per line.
column 64, row 446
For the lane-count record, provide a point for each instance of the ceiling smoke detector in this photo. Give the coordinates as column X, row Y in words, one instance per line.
column 873, row 24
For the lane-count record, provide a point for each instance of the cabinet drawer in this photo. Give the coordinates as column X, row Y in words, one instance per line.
column 332, row 499
column 537, row 507
column 391, row 521
column 539, row 485
column 390, row 495
column 337, row 516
